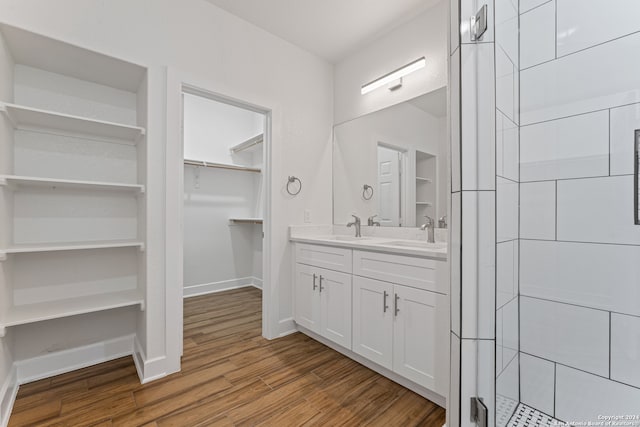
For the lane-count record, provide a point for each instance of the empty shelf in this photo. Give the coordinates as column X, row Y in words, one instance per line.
column 27, row 117
column 33, row 181
column 221, row 166
column 418, row 178
column 245, row 220
column 30, row 313
column 248, row 144
column 72, row 246
column 424, row 203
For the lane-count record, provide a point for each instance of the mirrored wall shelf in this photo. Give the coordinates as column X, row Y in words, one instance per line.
column 245, row 220
column 71, row 246
column 204, row 164
column 249, row 144
column 15, row 182
column 28, row 118
column 418, row 178
column 30, row 313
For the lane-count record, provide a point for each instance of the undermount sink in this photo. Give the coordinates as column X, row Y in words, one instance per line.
column 348, row 238
column 416, row 244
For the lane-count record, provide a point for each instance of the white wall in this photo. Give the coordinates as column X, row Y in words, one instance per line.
column 193, row 37
column 355, row 156
column 425, row 35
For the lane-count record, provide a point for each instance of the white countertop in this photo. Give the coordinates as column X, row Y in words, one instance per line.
column 392, row 245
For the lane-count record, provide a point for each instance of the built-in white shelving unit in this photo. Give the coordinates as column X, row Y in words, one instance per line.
column 425, row 187
column 73, row 155
column 245, row 220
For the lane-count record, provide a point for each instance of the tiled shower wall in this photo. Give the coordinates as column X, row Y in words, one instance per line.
column 579, row 247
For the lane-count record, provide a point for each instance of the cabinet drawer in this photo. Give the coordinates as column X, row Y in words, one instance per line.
column 338, row 259
column 417, row 272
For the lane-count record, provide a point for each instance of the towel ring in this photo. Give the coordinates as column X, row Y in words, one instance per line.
column 290, row 181
column 367, row 192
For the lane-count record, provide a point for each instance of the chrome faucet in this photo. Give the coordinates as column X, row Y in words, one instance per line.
column 356, row 222
column 429, row 226
column 371, row 222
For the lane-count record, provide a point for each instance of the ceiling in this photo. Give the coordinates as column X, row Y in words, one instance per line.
column 434, row 103
column 331, row 29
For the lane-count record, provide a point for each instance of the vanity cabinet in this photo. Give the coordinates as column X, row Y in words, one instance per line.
column 323, row 302
column 391, row 309
column 401, row 328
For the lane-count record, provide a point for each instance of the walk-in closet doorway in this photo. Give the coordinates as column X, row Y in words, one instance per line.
column 223, row 212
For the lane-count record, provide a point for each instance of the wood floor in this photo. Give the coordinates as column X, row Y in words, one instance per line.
column 230, row 376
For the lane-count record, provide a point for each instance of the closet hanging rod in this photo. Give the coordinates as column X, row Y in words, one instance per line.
column 221, row 166
column 247, row 144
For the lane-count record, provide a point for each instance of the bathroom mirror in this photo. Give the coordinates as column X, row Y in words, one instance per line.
column 392, row 163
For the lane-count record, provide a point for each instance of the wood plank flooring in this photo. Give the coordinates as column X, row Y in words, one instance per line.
column 230, row 376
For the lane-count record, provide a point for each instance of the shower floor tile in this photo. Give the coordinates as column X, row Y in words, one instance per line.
column 529, row 417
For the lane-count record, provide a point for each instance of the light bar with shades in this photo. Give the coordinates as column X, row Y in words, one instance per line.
column 394, row 75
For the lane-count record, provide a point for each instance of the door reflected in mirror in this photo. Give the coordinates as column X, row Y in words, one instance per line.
column 392, row 164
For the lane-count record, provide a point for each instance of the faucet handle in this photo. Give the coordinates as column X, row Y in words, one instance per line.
column 429, row 220
column 357, row 218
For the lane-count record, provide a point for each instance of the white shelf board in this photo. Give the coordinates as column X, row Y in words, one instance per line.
column 249, row 144
column 71, row 246
column 246, row 220
column 30, row 313
column 28, row 118
column 419, row 178
column 202, row 163
column 424, row 203
column 34, row 181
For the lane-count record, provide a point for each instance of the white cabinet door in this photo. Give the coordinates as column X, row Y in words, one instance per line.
column 307, row 299
column 335, row 303
column 373, row 320
column 416, row 336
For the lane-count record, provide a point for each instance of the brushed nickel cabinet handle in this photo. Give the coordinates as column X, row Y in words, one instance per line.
column 395, row 305
column 384, row 302
column 314, row 282
column 321, row 287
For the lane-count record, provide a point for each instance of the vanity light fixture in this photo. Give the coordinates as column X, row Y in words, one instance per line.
column 394, row 75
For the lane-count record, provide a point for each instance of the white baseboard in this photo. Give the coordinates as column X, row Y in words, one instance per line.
column 422, row 391
column 148, row 370
column 286, row 327
column 8, row 392
column 60, row 362
column 226, row 285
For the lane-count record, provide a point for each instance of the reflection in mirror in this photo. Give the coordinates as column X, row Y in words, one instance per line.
column 401, row 153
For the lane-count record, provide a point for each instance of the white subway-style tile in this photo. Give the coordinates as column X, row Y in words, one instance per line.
column 508, row 387
column 506, row 89
column 538, row 35
column 583, row 397
column 625, row 349
column 538, row 210
column 456, row 227
column 478, row 264
column 506, row 271
column 469, row 383
column 478, row 117
column 624, row 122
column 507, row 148
column 574, row 147
column 590, row 275
column 500, row 365
column 537, row 382
column 597, row 210
column 507, row 28
column 567, row 334
column 527, row 5
column 586, row 23
column 507, row 209
column 510, row 331
column 602, row 77
column 454, row 117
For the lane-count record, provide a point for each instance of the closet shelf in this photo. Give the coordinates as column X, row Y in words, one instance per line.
column 221, row 166
column 71, row 246
column 248, row 144
column 245, row 220
column 418, row 178
column 30, row 313
column 29, row 118
column 424, row 203
column 15, row 181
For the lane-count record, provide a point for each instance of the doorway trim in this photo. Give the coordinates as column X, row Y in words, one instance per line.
column 174, row 184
